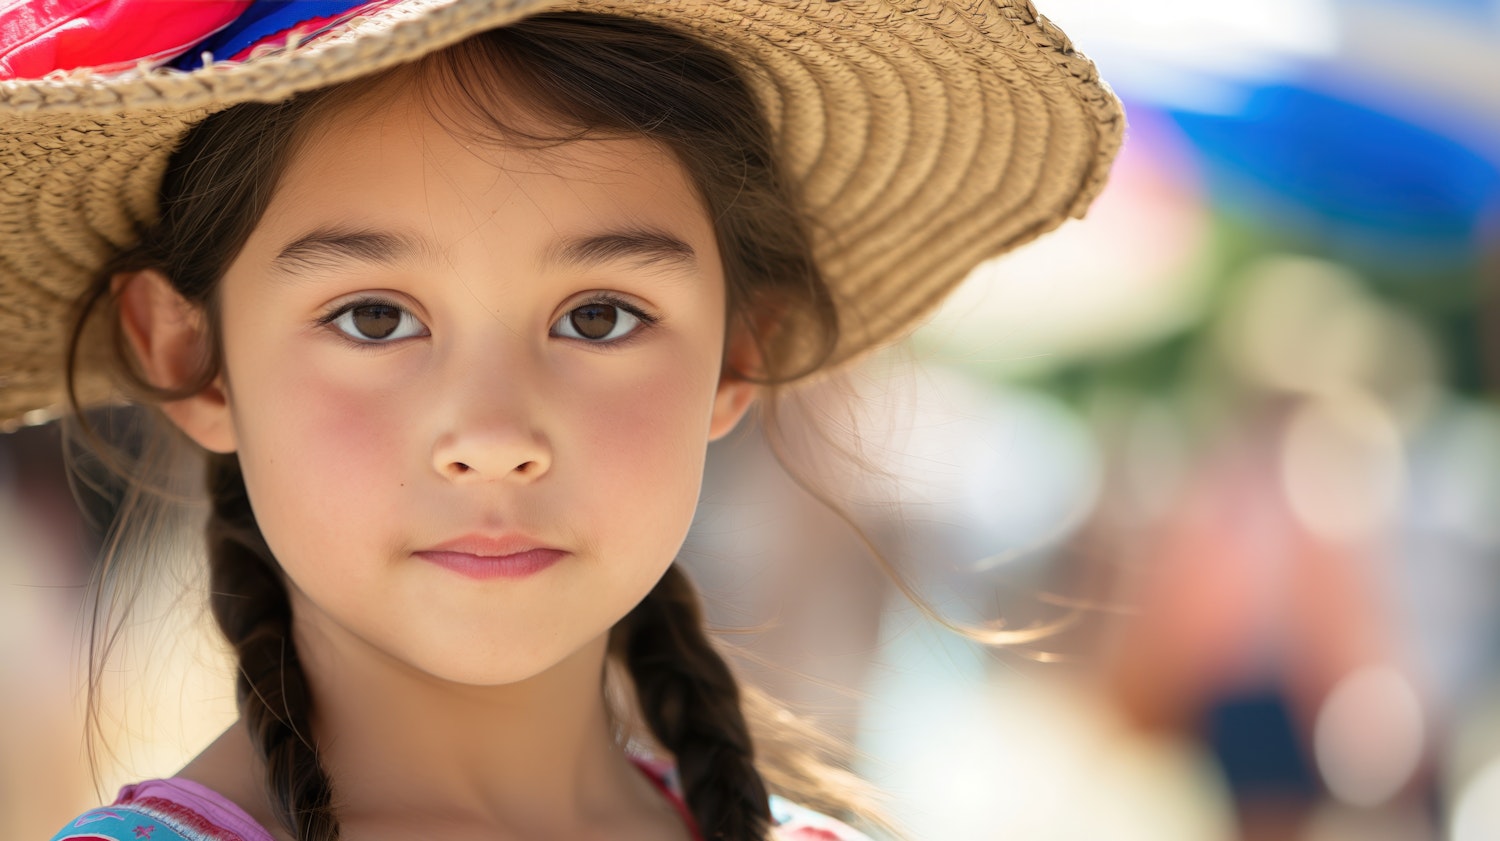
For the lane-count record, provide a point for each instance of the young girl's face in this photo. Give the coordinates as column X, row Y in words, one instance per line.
column 430, row 338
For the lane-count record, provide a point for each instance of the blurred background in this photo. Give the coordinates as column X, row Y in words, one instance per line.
column 1233, row 441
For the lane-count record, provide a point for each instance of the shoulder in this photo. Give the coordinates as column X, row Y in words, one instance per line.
column 797, row 823
column 164, row 810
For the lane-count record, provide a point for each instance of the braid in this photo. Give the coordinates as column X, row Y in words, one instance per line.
column 251, row 606
column 691, row 701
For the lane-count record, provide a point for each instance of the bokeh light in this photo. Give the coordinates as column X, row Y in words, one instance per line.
column 1370, row 736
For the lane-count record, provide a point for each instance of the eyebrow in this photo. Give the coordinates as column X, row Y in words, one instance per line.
column 642, row 247
column 327, row 248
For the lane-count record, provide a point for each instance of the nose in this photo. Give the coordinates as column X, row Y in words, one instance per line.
column 489, row 436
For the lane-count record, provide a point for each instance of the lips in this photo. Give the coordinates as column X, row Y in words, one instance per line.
column 486, row 557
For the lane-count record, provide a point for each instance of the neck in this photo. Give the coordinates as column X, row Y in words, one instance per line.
column 399, row 742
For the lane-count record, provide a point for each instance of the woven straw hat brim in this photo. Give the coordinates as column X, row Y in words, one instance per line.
column 925, row 137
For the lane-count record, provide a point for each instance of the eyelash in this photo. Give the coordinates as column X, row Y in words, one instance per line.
column 647, row 320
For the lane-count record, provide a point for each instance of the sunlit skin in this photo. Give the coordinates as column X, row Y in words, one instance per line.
column 444, row 700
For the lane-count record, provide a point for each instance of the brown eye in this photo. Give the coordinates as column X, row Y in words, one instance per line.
column 375, row 322
column 599, row 322
column 594, row 321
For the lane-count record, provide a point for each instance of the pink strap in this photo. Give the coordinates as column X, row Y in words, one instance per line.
column 206, row 811
column 656, row 772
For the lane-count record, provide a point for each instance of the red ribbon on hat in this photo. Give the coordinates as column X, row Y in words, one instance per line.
column 38, row 37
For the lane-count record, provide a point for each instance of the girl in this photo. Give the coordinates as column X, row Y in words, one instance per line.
column 450, row 297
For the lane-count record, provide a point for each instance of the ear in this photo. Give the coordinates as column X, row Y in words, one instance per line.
column 735, row 394
column 170, row 339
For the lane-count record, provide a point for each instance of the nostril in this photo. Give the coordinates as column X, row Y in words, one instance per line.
column 456, row 469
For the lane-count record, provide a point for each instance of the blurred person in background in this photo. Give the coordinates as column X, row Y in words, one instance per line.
column 1275, row 350
column 44, row 546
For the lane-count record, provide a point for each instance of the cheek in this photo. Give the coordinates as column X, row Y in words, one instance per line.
column 348, row 438
column 317, row 455
column 645, row 442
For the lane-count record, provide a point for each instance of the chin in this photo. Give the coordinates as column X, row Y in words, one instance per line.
column 481, row 675
column 508, row 664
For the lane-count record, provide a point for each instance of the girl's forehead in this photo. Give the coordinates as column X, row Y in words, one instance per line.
column 396, row 113
column 411, row 156
column 407, row 161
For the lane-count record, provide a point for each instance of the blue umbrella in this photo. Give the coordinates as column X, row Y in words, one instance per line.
column 1367, row 186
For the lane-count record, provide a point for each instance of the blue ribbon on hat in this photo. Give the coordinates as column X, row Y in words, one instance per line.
column 263, row 20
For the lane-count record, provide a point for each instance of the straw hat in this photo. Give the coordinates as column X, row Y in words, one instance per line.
column 925, row 137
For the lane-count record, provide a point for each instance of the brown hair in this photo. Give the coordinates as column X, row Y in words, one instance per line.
column 588, row 75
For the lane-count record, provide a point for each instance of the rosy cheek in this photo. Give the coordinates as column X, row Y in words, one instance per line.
column 356, row 432
column 653, row 429
column 321, row 451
